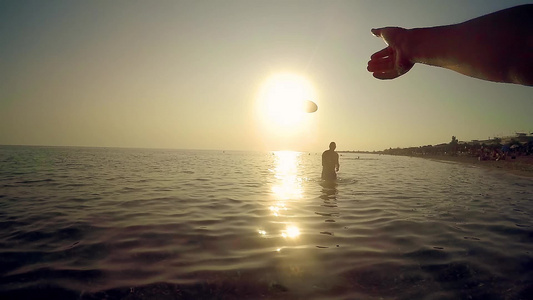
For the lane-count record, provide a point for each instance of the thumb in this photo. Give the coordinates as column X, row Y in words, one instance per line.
column 376, row 31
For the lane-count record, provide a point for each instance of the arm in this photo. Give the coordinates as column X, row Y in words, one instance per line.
column 495, row 47
column 337, row 165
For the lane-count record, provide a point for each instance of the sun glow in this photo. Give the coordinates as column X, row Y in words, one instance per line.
column 281, row 105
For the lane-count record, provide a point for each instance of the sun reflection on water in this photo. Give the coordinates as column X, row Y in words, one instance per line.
column 291, row 232
column 288, row 185
column 286, row 188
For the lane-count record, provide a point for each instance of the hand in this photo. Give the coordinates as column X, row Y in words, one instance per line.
column 392, row 61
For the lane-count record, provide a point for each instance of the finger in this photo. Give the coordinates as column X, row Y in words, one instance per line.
column 386, row 75
column 382, row 53
column 381, row 65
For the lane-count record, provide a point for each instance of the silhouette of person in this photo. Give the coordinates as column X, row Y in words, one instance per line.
column 495, row 47
column 330, row 163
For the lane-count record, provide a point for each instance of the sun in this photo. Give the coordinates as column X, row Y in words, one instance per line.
column 281, row 103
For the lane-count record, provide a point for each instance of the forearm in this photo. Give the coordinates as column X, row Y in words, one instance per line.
column 496, row 47
column 435, row 46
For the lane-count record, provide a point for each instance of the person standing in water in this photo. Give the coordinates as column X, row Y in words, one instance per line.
column 330, row 163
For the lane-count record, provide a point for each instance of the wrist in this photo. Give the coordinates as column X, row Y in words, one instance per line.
column 431, row 45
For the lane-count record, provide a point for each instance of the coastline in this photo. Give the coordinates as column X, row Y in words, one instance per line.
column 521, row 166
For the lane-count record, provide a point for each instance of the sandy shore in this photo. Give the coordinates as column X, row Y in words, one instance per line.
column 521, row 166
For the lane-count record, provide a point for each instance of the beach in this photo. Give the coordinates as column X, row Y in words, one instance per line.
column 520, row 166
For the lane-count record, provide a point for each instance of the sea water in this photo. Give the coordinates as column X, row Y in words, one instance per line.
column 109, row 223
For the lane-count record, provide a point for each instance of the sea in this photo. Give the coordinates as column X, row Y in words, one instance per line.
column 113, row 223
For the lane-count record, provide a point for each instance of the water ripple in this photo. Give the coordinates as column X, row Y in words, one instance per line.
column 82, row 223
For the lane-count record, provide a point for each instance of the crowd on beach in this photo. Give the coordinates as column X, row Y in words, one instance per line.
column 504, row 152
column 514, row 156
column 489, row 150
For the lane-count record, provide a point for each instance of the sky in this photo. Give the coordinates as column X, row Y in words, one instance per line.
column 193, row 74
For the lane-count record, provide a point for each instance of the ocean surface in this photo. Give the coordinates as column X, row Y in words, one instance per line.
column 109, row 223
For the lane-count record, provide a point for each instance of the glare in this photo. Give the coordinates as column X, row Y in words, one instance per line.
column 289, row 186
column 291, row 232
column 286, row 188
column 278, row 208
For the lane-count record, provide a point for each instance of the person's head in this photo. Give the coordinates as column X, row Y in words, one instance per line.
column 332, row 146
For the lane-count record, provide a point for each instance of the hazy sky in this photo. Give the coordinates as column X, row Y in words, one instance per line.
column 187, row 75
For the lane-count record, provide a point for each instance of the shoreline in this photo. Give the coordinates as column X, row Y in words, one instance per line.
column 521, row 166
